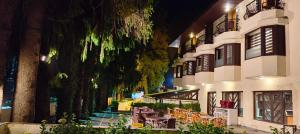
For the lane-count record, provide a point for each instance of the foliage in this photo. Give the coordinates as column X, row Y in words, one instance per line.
column 118, row 127
column 194, row 106
column 164, row 106
column 121, row 127
column 69, row 126
column 199, row 128
column 277, row 131
column 56, row 81
column 153, row 64
column 114, row 103
column 106, row 35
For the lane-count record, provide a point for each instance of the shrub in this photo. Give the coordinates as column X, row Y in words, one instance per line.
column 67, row 125
column 164, row 106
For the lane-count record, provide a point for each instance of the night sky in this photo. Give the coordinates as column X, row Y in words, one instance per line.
column 181, row 13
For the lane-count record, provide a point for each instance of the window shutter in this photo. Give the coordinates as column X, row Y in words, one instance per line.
column 269, row 41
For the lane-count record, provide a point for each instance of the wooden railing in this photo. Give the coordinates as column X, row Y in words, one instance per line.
column 201, row 40
column 226, row 25
column 256, row 6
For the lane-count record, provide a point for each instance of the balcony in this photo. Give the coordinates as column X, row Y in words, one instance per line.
column 257, row 6
column 188, row 76
column 226, row 26
column 200, row 40
column 227, row 62
column 204, row 69
column 226, row 29
column 265, row 66
column 260, row 13
column 265, row 52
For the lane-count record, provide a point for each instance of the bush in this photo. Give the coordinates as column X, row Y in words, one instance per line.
column 194, row 106
column 164, row 106
column 199, row 128
column 67, row 125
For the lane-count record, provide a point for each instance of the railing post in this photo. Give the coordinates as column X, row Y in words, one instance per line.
column 209, row 33
column 258, row 5
column 237, row 22
column 226, row 22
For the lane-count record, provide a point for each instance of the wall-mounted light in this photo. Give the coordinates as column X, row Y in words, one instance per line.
column 43, row 58
column 192, row 35
column 228, row 7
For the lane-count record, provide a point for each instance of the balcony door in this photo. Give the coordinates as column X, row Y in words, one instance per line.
column 211, row 102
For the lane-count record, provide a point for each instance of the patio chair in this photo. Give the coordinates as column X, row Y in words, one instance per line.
column 162, row 124
column 171, row 123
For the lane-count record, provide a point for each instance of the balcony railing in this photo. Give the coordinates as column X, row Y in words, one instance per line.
column 201, row 40
column 189, row 47
column 256, row 6
column 226, row 25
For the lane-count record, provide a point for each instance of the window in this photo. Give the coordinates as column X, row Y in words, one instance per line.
column 178, row 71
column 199, row 64
column 211, row 102
column 189, row 68
column 184, row 69
column 219, row 56
column 273, row 106
column 205, row 63
column 174, row 72
column 236, row 97
column 228, row 54
column 268, row 40
column 253, row 44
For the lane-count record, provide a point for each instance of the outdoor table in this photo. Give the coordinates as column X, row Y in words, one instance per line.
column 149, row 113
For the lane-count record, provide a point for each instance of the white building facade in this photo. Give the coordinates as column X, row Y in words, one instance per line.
column 250, row 56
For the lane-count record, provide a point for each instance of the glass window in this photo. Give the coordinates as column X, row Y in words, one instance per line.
column 273, row 106
column 236, row 98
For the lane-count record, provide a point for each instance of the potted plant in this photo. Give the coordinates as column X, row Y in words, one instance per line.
column 114, row 106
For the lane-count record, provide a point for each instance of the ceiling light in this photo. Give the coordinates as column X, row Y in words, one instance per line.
column 192, row 35
column 227, row 7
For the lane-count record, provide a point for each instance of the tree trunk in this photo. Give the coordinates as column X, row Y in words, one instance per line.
column 78, row 96
column 86, row 96
column 42, row 107
column 98, row 100
column 24, row 103
column 68, row 63
column 7, row 12
column 91, row 101
column 104, row 96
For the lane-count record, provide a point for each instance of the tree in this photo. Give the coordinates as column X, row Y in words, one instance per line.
column 105, row 30
column 24, row 103
column 153, row 64
column 7, row 13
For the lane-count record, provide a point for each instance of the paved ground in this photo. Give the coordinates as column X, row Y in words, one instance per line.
column 104, row 119
column 246, row 130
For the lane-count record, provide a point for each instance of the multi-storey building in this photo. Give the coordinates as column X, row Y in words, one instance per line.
column 245, row 51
